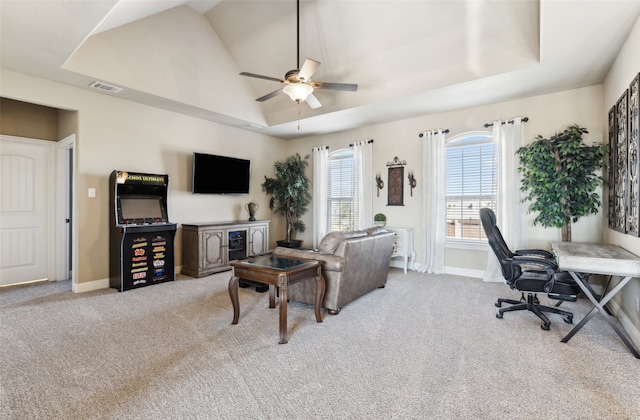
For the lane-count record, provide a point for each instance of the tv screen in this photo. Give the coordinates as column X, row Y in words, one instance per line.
column 214, row 174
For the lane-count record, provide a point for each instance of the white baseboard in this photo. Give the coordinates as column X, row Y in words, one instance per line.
column 456, row 271
column 466, row 272
column 400, row 264
column 627, row 324
column 89, row 286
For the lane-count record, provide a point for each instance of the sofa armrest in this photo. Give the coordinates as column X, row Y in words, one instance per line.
column 329, row 262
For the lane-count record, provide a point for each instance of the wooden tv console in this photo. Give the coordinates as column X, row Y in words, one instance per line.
column 209, row 248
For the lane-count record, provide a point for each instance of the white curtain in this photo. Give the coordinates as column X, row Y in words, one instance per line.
column 320, row 193
column 433, row 202
column 363, row 153
column 508, row 138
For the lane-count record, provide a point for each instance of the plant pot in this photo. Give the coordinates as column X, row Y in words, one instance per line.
column 290, row 244
column 381, row 224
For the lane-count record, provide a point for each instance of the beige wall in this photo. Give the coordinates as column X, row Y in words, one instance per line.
column 117, row 134
column 625, row 68
column 547, row 114
column 22, row 119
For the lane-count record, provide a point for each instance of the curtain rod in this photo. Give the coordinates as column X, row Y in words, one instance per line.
column 326, row 147
column 369, row 142
column 525, row 119
column 445, row 131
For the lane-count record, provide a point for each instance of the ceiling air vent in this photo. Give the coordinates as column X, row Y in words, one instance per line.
column 105, row 87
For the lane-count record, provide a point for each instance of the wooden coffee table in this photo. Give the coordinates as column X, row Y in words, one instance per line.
column 278, row 273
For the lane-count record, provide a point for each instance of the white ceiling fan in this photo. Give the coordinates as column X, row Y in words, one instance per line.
column 298, row 83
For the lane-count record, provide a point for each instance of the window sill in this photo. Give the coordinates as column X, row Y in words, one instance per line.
column 468, row 244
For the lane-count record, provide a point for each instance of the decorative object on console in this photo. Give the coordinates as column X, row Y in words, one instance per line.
column 251, row 208
column 290, row 196
column 412, row 182
column 561, row 159
column 380, row 220
column 379, row 183
column 395, row 195
column 624, row 162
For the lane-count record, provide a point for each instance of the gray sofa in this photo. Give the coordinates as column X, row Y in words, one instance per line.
column 353, row 263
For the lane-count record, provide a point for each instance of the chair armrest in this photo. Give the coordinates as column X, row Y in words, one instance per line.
column 329, row 262
column 549, row 265
column 540, row 252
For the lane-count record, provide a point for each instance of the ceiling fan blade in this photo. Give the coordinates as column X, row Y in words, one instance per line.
column 313, row 102
column 350, row 87
column 308, row 69
column 269, row 95
column 258, row 76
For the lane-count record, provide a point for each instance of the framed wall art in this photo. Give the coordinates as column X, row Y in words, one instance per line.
column 612, row 169
column 624, row 162
column 620, row 165
column 633, row 167
column 395, row 182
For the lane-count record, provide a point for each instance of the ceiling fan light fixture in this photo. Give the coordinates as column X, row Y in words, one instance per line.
column 298, row 92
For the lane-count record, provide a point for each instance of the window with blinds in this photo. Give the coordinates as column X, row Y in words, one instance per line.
column 342, row 205
column 471, row 180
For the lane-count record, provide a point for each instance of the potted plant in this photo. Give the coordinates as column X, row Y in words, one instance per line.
column 289, row 191
column 560, row 176
column 380, row 220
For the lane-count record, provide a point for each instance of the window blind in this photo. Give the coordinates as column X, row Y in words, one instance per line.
column 342, row 214
column 471, row 180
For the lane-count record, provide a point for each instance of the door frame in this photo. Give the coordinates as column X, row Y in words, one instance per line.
column 65, row 207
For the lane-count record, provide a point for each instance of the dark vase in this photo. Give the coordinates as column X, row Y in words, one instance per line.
column 290, row 244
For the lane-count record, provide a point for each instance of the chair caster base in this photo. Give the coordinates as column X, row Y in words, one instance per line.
column 499, row 315
column 545, row 327
column 568, row 319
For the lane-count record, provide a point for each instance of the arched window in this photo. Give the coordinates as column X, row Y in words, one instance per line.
column 341, row 206
column 471, row 181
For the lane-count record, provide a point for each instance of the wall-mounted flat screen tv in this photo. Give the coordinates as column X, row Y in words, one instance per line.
column 213, row 174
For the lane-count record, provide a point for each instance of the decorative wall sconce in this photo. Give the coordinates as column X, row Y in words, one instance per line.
column 412, row 182
column 379, row 183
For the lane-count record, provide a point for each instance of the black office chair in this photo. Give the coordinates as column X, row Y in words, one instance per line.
column 543, row 278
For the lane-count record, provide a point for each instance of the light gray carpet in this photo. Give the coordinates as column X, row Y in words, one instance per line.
column 423, row 347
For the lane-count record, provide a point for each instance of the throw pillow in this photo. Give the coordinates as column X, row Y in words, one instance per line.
column 375, row 230
column 330, row 242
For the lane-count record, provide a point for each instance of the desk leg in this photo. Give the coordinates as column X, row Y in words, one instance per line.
column 233, row 293
column 320, row 285
column 599, row 307
column 282, row 290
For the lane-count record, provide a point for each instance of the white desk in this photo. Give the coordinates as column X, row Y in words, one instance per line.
column 607, row 259
column 403, row 245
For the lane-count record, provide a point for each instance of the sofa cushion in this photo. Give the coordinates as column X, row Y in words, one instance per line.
column 330, row 242
column 375, row 230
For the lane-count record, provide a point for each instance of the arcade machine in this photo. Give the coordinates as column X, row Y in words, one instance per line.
column 141, row 239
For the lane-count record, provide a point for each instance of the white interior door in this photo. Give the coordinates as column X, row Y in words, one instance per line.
column 26, row 210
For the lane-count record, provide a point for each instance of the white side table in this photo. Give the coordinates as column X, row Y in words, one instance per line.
column 403, row 245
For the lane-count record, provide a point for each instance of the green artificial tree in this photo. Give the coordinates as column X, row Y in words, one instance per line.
column 561, row 176
column 289, row 191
